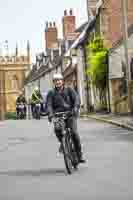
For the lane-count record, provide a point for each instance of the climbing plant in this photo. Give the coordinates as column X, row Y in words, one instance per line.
column 97, row 65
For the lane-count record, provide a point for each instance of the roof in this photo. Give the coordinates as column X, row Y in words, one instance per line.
column 89, row 26
column 82, row 37
column 35, row 74
column 81, row 28
column 69, row 71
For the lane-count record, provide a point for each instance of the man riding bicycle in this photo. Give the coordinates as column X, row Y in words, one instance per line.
column 62, row 99
column 21, row 99
column 36, row 98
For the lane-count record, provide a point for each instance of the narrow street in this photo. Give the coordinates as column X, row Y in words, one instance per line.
column 32, row 169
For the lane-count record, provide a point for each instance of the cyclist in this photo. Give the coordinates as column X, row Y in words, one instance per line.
column 61, row 99
column 36, row 97
column 21, row 99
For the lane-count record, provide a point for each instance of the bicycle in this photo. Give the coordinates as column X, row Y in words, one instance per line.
column 68, row 148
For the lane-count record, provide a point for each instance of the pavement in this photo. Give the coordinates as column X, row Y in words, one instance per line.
column 124, row 121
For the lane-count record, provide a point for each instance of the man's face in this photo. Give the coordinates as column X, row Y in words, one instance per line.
column 20, row 94
column 37, row 91
column 58, row 83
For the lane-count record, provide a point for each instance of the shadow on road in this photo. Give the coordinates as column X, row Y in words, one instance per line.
column 41, row 172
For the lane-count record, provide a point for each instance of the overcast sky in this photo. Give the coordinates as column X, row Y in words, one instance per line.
column 22, row 20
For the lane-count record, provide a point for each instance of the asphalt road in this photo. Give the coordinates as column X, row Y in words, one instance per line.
column 32, row 169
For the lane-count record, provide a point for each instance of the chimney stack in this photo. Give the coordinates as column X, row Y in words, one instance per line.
column 69, row 23
column 51, row 35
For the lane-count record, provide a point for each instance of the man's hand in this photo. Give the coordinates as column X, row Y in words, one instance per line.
column 76, row 112
column 50, row 116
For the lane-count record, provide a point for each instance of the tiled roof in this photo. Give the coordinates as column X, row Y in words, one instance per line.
column 69, row 71
column 83, row 35
column 81, row 28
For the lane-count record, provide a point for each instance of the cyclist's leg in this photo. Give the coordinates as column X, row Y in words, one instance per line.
column 17, row 111
column 57, row 133
column 25, row 110
column 72, row 124
column 59, row 138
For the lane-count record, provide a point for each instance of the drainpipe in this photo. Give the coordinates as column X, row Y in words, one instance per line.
column 109, row 105
column 87, row 80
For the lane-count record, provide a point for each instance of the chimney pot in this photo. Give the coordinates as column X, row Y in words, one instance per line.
column 71, row 12
column 46, row 24
column 65, row 12
column 50, row 24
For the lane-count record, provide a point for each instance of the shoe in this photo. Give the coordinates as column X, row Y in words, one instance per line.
column 81, row 159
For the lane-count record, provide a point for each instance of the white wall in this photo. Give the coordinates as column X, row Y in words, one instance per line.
column 45, row 83
column 81, row 76
column 116, row 58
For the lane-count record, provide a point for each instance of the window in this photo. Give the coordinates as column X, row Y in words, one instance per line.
column 14, row 83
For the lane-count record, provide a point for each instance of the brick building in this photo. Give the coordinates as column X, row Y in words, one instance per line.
column 111, row 18
column 91, row 7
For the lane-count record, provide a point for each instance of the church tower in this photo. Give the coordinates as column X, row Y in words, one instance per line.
column 28, row 51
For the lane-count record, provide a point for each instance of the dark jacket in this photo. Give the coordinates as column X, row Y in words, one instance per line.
column 62, row 100
column 21, row 99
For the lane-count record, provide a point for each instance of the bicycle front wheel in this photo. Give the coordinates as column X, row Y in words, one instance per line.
column 67, row 157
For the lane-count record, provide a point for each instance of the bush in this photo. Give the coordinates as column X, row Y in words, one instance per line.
column 10, row 115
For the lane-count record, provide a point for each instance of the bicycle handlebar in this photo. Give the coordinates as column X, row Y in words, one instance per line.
column 61, row 114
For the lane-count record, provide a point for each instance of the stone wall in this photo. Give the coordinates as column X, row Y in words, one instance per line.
column 119, row 104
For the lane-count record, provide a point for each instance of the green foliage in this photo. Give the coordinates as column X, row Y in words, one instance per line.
column 97, row 63
column 10, row 115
